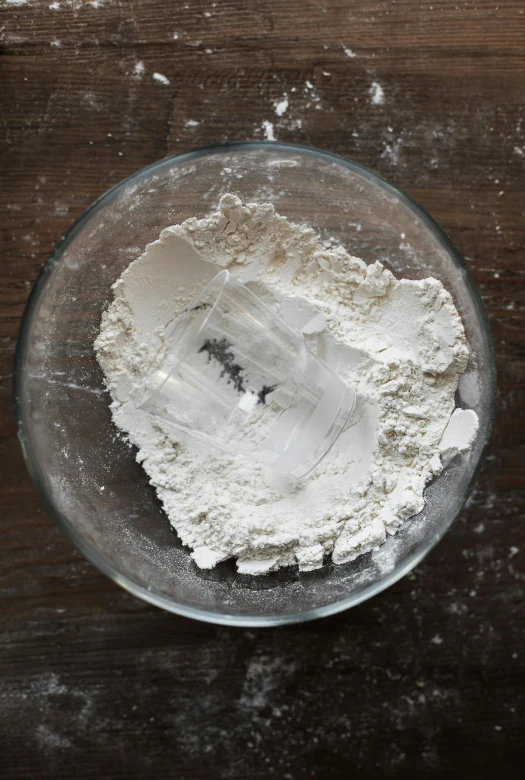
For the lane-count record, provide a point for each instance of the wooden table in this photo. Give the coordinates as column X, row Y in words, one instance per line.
column 425, row 680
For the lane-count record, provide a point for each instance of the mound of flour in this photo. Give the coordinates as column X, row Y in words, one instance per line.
column 399, row 343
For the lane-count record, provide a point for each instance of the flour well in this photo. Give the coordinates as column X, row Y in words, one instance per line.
column 399, row 343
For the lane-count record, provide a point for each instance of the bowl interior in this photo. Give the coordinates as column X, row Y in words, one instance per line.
column 87, row 473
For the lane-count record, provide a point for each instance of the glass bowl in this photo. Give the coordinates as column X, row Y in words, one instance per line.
column 88, row 476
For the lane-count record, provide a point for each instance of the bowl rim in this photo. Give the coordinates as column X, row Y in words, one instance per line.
column 34, row 468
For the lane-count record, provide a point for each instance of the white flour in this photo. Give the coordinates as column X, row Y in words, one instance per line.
column 399, row 343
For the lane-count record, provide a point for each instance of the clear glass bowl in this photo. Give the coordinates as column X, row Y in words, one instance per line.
column 88, row 476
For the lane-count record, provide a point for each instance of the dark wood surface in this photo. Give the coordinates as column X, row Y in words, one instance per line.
column 425, row 680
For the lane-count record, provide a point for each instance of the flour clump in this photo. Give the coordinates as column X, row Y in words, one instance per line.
column 400, row 343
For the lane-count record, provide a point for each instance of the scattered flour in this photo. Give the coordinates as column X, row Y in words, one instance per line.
column 349, row 52
column 399, row 343
column 268, row 130
column 48, row 738
column 161, row 79
column 139, row 69
column 377, row 95
column 281, row 106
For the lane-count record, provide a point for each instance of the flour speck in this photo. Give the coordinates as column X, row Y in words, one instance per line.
column 377, row 95
column 268, row 130
column 161, row 79
column 349, row 52
column 281, row 106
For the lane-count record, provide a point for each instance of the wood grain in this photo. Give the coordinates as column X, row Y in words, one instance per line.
column 425, row 680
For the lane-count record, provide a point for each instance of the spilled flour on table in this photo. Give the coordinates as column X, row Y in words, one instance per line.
column 399, row 343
